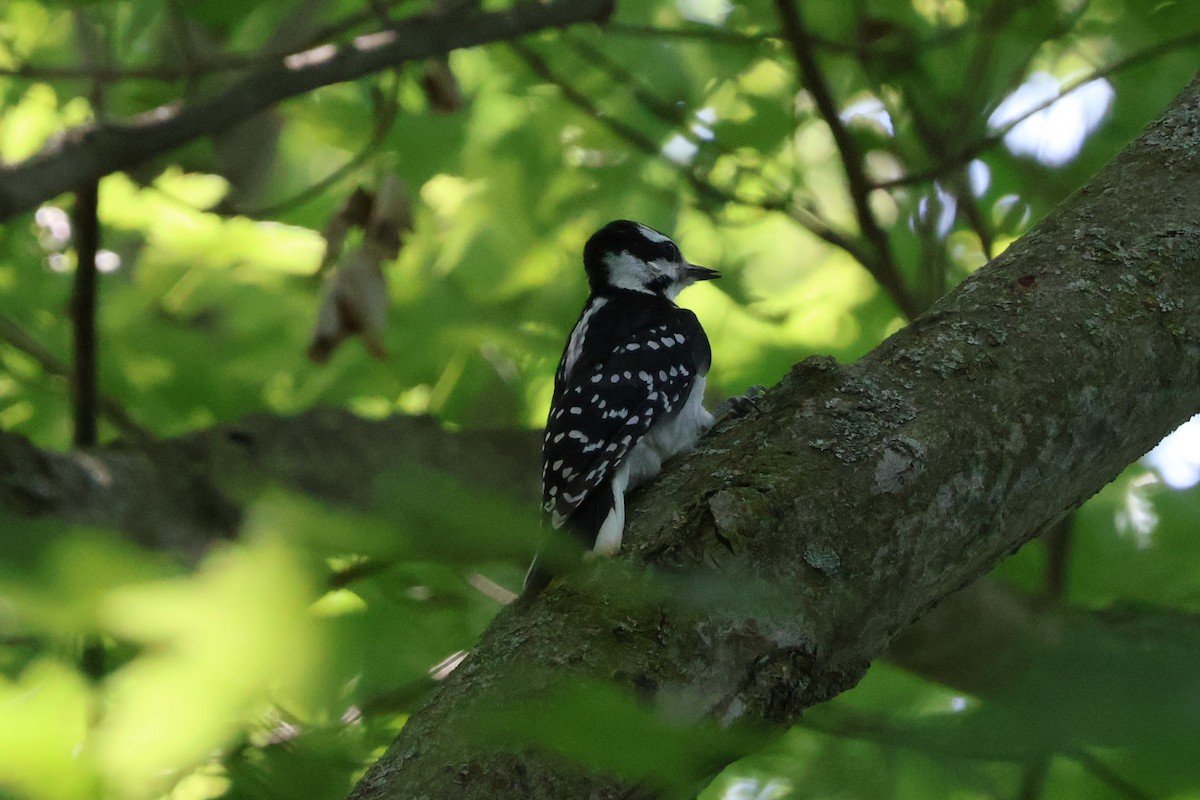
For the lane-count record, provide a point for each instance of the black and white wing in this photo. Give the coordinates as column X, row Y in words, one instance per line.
column 605, row 402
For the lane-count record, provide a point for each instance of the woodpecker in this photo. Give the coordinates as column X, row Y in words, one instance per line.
column 629, row 389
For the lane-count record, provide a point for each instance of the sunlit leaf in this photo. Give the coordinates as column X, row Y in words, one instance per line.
column 605, row 729
column 221, row 648
column 44, row 719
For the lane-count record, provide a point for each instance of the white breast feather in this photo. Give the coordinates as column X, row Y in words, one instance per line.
column 670, row 438
column 662, row 441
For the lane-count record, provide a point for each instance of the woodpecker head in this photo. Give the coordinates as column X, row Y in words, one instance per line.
column 629, row 255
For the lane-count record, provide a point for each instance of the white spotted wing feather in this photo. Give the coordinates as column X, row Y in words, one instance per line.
column 622, row 414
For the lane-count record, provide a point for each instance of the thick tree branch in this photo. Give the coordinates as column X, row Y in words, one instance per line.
column 194, row 67
column 797, row 543
column 87, row 154
column 183, row 494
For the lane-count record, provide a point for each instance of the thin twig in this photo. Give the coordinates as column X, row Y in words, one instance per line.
column 807, row 219
column 20, row 339
column 622, row 76
column 162, row 73
column 185, row 46
column 703, row 33
column 385, row 118
column 335, row 30
column 1057, row 541
column 882, row 266
column 1105, row 774
column 627, row 132
column 357, row 571
column 542, row 69
column 723, row 36
column 383, row 13
column 968, row 209
column 973, row 150
column 1033, row 779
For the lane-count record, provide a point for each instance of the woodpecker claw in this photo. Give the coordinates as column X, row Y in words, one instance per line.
column 743, row 404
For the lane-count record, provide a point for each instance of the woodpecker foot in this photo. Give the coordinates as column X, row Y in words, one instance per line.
column 743, row 404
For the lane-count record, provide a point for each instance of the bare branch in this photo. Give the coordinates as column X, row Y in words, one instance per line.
column 92, row 152
column 195, row 66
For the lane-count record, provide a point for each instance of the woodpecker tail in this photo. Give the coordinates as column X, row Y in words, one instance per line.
column 537, row 578
column 558, row 556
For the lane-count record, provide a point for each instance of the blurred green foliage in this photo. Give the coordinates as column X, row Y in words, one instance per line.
column 281, row 664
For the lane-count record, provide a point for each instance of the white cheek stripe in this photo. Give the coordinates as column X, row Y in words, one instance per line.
column 575, row 344
column 627, row 272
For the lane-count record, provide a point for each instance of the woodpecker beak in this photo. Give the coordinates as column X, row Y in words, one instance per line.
column 701, row 273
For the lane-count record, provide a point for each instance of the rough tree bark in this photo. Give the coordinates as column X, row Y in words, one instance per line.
column 800, row 540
